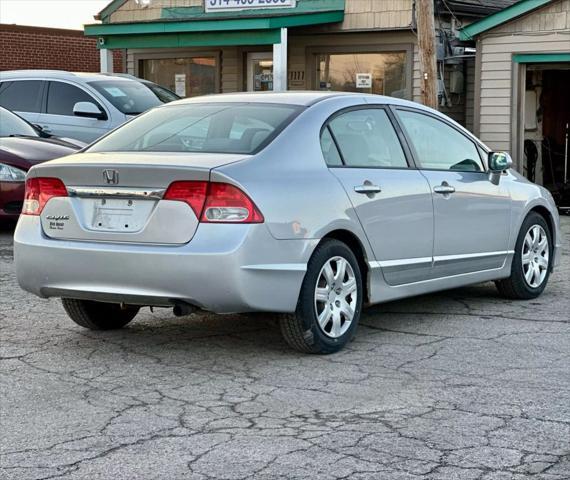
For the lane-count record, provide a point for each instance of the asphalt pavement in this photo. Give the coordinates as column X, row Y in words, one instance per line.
column 456, row 385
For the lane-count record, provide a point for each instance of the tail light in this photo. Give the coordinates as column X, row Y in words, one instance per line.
column 214, row 202
column 39, row 191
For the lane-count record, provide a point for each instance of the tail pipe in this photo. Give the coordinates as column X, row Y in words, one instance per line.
column 182, row 309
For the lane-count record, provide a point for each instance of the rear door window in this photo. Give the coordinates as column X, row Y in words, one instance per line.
column 366, row 139
column 21, row 95
column 330, row 152
column 62, row 97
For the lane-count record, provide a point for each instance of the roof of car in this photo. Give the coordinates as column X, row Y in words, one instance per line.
column 81, row 76
column 303, row 98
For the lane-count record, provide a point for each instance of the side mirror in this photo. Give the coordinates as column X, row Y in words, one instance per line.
column 42, row 133
column 89, row 110
column 499, row 161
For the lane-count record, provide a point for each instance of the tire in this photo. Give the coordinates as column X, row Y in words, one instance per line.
column 518, row 286
column 98, row 315
column 302, row 330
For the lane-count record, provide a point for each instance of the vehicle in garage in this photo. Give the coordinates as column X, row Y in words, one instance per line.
column 83, row 106
column 22, row 145
column 310, row 204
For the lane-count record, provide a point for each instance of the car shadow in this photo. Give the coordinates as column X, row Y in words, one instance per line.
column 250, row 335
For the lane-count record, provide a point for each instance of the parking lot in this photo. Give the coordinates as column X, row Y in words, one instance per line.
column 461, row 384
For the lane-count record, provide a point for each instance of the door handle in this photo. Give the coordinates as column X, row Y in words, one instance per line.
column 367, row 189
column 444, row 189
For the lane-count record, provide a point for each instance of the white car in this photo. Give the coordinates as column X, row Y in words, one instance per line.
column 83, row 106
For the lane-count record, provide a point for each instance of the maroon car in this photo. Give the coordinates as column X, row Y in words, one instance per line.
column 22, row 146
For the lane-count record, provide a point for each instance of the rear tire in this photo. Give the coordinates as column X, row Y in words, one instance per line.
column 98, row 315
column 329, row 306
column 526, row 283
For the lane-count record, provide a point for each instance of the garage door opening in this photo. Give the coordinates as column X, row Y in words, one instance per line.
column 547, row 129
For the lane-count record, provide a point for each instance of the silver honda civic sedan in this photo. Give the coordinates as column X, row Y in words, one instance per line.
column 309, row 204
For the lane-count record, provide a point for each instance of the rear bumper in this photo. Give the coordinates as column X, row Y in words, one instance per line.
column 225, row 268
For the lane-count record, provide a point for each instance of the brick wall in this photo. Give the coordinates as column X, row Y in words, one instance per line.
column 26, row 47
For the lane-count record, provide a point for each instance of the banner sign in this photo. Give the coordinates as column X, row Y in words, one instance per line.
column 235, row 5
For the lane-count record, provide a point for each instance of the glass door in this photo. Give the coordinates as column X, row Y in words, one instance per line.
column 259, row 71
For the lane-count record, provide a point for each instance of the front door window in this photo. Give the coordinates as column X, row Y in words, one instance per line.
column 259, row 72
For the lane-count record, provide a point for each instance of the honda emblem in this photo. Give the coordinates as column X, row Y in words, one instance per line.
column 111, row 176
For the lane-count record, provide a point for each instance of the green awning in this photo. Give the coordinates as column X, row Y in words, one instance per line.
column 489, row 22
column 561, row 57
column 199, row 39
column 185, row 27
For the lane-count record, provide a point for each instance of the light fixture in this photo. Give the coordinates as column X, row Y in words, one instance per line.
column 143, row 3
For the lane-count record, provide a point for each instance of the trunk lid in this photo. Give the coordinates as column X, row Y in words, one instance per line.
column 117, row 197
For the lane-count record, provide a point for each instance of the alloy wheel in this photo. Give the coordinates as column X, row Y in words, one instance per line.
column 535, row 255
column 335, row 297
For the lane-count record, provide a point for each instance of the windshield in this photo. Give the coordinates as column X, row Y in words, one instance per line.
column 165, row 95
column 129, row 97
column 11, row 124
column 200, row 127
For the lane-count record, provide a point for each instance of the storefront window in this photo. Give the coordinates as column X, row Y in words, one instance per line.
column 188, row 77
column 379, row 73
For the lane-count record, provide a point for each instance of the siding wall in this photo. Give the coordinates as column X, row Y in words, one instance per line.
column 469, row 93
column 131, row 12
column 359, row 14
column 543, row 31
column 374, row 14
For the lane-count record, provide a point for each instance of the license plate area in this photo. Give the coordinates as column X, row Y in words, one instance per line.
column 116, row 214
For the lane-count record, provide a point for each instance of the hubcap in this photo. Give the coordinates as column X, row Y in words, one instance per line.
column 535, row 255
column 335, row 297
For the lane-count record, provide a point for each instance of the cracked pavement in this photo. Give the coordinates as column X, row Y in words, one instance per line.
column 456, row 385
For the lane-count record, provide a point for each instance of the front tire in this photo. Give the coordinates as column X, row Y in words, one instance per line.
column 98, row 315
column 330, row 301
column 532, row 260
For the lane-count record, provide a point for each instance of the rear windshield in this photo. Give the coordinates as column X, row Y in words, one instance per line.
column 129, row 97
column 200, row 127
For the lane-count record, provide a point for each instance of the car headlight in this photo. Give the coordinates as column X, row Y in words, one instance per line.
column 11, row 174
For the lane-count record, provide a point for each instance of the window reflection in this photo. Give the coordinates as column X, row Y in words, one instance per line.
column 188, row 77
column 337, row 71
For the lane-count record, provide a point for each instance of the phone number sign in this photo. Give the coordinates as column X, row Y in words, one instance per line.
column 227, row 5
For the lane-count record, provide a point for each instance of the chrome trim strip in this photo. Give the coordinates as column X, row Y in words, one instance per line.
column 468, row 256
column 441, row 258
column 400, row 263
column 282, row 267
column 116, row 192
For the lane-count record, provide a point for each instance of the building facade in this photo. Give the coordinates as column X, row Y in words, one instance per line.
column 197, row 47
column 25, row 47
column 522, row 87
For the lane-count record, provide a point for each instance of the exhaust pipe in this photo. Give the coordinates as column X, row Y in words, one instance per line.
column 183, row 309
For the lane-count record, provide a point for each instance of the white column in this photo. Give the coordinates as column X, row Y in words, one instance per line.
column 106, row 60
column 280, row 63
